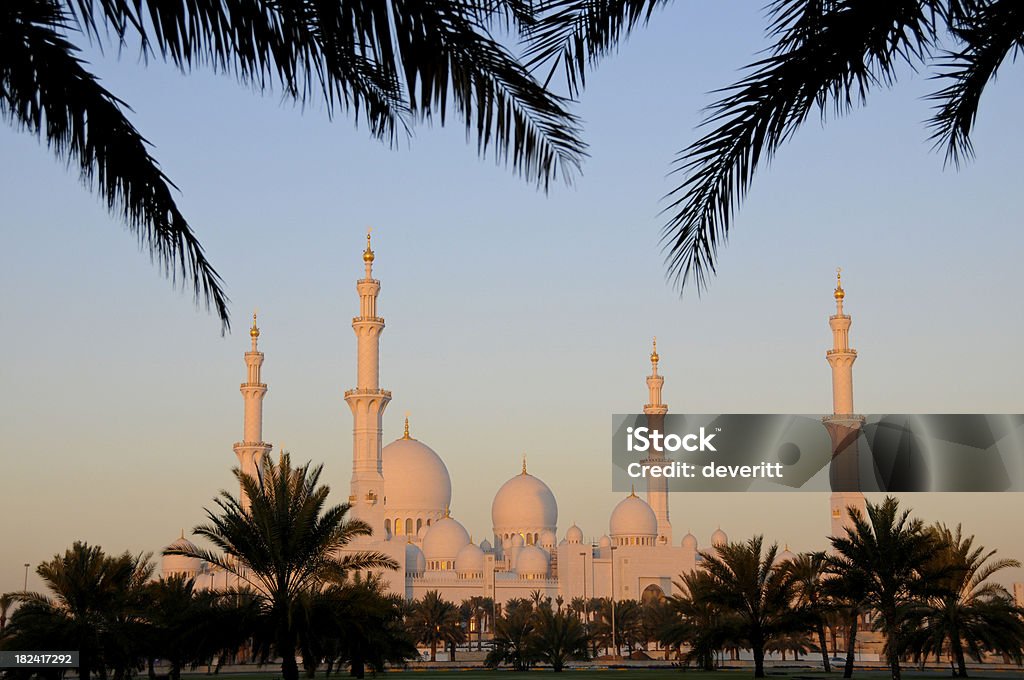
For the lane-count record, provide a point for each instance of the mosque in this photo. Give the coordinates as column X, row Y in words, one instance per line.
column 404, row 492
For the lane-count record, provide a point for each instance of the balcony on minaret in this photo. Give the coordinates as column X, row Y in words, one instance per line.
column 368, row 391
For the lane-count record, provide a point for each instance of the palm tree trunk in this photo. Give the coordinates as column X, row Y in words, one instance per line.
column 958, row 652
column 758, row 650
column 824, row 650
column 851, row 645
column 433, row 650
column 286, row 648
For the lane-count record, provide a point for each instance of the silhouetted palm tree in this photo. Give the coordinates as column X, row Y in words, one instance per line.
column 513, row 635
column 808, row 572
column 890, row 552
column 558, row 637
column 390, row 64
column 6, row 600
column 757, row 592
column 285, row 544
column 94, row 608
column 971, row 614
column 434, row 621
column 827, row 57
column 699, row 623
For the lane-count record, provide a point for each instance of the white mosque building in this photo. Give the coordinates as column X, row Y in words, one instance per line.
column 403, row 490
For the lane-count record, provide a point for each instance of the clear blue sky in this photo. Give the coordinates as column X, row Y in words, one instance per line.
column 517, row 322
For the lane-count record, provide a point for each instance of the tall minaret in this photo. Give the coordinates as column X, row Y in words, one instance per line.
column 252, row 450
column 843, row 425
column 657, row 487
column 367, row 402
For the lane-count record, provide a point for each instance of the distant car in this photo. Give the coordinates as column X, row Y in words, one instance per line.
column 837, row 659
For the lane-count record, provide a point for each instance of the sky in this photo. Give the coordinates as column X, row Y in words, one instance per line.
column 517, row 321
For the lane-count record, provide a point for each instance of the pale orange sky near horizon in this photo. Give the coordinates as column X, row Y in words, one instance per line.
column 516, row 322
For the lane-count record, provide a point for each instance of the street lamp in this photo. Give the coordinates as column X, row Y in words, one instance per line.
column 615, row 645
column 586, row 612
column 25, row 587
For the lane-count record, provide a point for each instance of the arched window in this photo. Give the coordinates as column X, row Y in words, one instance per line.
column 408, row 525
column 387, row 527
column 398, row 525
column 419, row 525
column 652, row 593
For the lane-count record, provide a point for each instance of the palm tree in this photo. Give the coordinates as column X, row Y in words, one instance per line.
column 187, row 626
column 890, row 553
column 435, row 620
column 558, row 637
column 94, row 607
column 390, row 64
column 808, row 572
column 970, row 614
column 826, row 58
column 475, row 610
column 699, row 623
column 6, row 600
column 285, row 544
column 513, row 637
column 747, row 582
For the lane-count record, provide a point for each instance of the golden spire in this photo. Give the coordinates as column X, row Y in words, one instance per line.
column 368, row 253
column 524, row 464
column 839, row 292
column 447, row 511
column 406, row 435
column 654, row 352
column 182, row 534
column 254, row 331
column 632, row 491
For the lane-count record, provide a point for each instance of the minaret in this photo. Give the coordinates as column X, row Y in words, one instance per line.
column 252, row 450
column 367, row 402
column 843, row 425
column 657, row 487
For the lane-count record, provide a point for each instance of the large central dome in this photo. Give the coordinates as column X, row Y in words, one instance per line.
column 416, row 481
column 524, row 505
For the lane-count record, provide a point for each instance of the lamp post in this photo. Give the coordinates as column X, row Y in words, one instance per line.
column 615, row 645
column 25, row 587
column 586, row 612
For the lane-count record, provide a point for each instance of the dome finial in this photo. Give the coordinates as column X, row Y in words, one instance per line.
column 524, row 464
column 839, row 293
column 447, row 511
column 654, row 351
column 632, row 491
column 254, row 331
column 406, row 435
column 368, row 253
column 182, row 534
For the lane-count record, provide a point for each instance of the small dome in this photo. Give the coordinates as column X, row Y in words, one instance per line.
column 633, row 517
column 548, row 538
column 784, row 556
column 524, row 503
column 470, row 559
column 532, row 562
column 416, row 480
column 604, row 542
column 179, row 564
column 719, row 537
column 444, row 540
column 574, row 534
column 415, row 562
column 689, row 542
column 486, row 546
column 517, row 540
